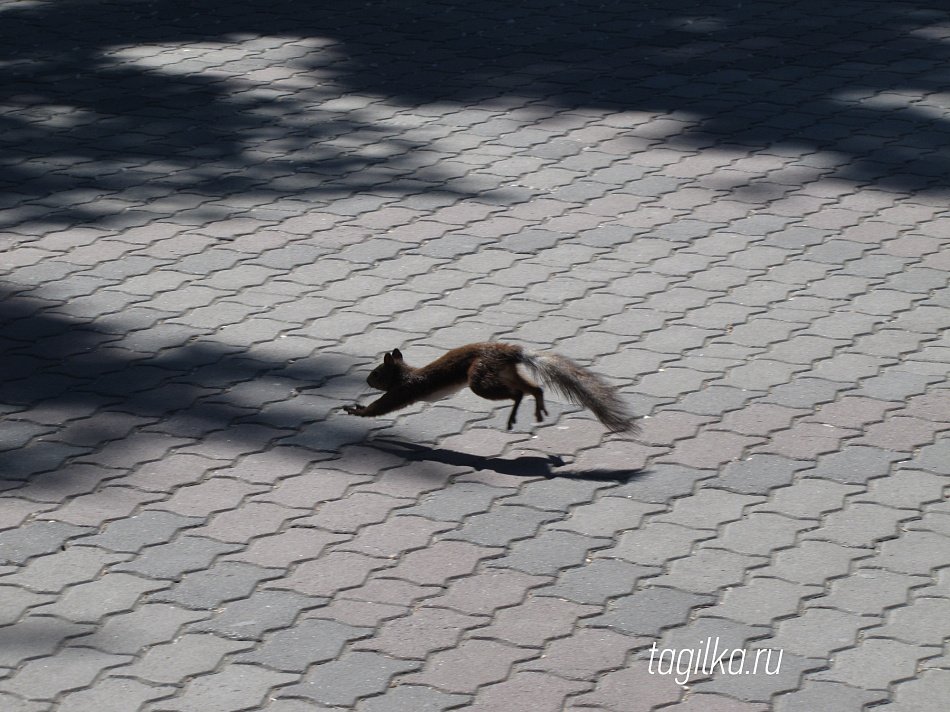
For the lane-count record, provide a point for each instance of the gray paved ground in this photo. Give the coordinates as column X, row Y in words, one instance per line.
column 216, row 216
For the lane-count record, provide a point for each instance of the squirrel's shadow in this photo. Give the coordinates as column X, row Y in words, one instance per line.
column 524, row 466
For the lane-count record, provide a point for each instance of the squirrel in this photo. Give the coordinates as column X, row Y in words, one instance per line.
column 491, row 370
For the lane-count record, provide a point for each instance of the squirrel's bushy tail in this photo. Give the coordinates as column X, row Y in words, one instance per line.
column 583, row 388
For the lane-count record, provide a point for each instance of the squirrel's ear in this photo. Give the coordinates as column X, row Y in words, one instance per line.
column 388, row 359
column 397, row 354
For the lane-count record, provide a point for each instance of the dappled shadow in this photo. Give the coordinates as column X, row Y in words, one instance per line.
column 69, row 388
column 523, row 466
column 175, row 106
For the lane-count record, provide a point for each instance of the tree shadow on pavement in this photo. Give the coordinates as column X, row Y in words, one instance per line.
column 70, row 388
column 175, row 106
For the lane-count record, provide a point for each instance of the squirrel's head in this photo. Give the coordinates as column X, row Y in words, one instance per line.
column 386, row 375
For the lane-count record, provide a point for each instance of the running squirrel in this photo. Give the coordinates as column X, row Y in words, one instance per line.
column 491, row 370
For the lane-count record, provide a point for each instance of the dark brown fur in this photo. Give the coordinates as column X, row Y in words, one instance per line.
column 491, row 371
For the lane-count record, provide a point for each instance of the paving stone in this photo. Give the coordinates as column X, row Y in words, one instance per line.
column 662, row 482
column 556, row 495
column 528, row 692
column 282, row 549
column 655, row 544
column 70, row 669
column 179, row 659
column 488, row 590
column 344, row 681
column 35, row 637
column 548, row 552
column 807, row 441
column 111, row 593
column 894, row 385
column 808, row 498
column 854, row 465
column 927, row 693
column 930, row 406
column 708, row 635
column 597, row 581
column 15, row 601
column 146, row 625
column 914, row 552
column 757, row 474
column 649, row 611
column 262, row 611
column 715, row 703
column 171, row 561
column 707, row 509
column 308, row 642
column 708, row 570
column 819, row 631
column 858, row 524
column 759, row 533
column 907, row 489
column 411, row 698
column 869, row 591
column 761, row 600
column 201, row 500
column 441, row 561
column 209, row 588
column 932, row 458
column 922, row 621
column 35, row 539
column 710, row 449
column 759, row 687
column 423, row 630
column 812, row 562
column 501, row 526
column 835, row 694
column 804, row 393
column 53, row 572
column 224, row 690
column 534, row 622
column 586, row 654
column 309, row 490
column 467, row 667
column 113, row 695
column 613, row 690
column 875, row 662
column 133, row 533
column 606, row 516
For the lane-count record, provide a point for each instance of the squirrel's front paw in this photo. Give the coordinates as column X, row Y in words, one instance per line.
column 354, row 409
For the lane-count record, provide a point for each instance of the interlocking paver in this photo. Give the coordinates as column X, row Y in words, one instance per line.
column 534, row 622
column 54, row 572
column 229, row 688
column 875, row 661
column 210, row 233
column 613, row 690
column 113, row 695
column 528, row 692
column 469, row 666
column 841, row 696
column 649, row 611
column 343, row 681
column 210, row 587
column 171, row 561
column 70, row 669
column 45, row 635
column 310, row 641
column 549, row 552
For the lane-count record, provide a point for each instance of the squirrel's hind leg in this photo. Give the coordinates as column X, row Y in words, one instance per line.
column 514, row 409
column 522, row 385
